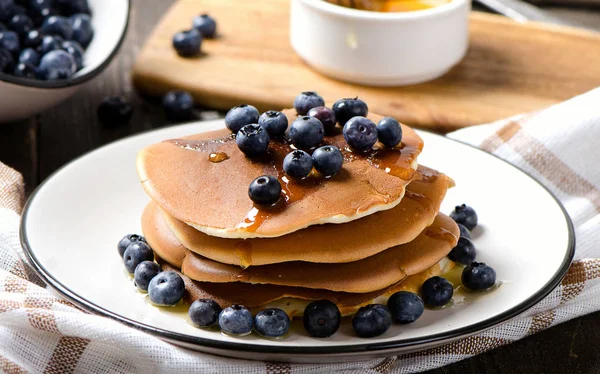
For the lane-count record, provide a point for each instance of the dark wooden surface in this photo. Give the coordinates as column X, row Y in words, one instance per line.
column 39, row 146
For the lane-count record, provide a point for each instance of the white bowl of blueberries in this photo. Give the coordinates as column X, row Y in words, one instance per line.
column 49, row 48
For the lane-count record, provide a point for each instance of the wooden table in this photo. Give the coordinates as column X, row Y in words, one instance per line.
column 39, row 146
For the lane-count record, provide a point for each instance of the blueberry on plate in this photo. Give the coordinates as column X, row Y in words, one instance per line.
column 144, row 273
column 322, row 318
column 253, row 140
column 345, row 109
column 7, row 62
column 166, row 288
column 29, row 56
column 360, row 133
column 33, row 39
column 274, row 122
column 265, row 190
column 478, row 276
column 114, row 111
column 178, row 105
column 10, row 40
column 328, row 160
column 83, row 31
column 25, row 70
column 389, row 132
column 75, row 50
column 464, row 253
column 21, row 24
column 187, row 43
column 206, row 25
column 297, row 164
column 128, row 239
column 236, row 320
column 405, row 307
column 57, row 25
column 272, row 322
column 240, row 116
column 306, row 132
column 306, row 101
column 371, row 320
column 465, row 215
column 50, row 43
column 325, row 115
column 204, row 312
column 135, row 254
column 6, row 10
column 436, row 291
column 464, row 232
column 57, row 64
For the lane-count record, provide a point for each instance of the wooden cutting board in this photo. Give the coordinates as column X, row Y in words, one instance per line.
column 510, row 68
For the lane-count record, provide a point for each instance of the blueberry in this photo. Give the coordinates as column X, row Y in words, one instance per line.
column 128, row 239
column 21, row 24
column 2, row 27
column 24, row 70
column 57, row 64
column 272, row 322
column 297, row 164
column 75, row 50
column 39, row 10
column 178, row 105
column 306, row 132
column 29, row 56
column 7, row 62
column 135, row 254
column 83, row 31
column 206, row 25
column 253, row 140
column 360, row 133
column 187, row 43
column 306, row 101
column 328, row 160
column 265, row 190
column 274, row 122
column 322, row 318
column 33, row 39
column 436, row 291
column 166, row 289
column 464, row 253
column 204, row 312
column 69, row 7
column 10, row 40
column 371, row 320
column 240, row 116
column 7, row 10
column 236, row 320
column 478, row 276
column 405, row 307
column 465, row 215
column 50, row 43
column 345, row 109
column 57, row 25
column 325, row 115
column 464, row 232
column 389, row 132
column 114, row 111
column 144, row 273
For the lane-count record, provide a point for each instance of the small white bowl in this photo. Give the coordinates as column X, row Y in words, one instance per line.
column 380, row 49
column 23, row 98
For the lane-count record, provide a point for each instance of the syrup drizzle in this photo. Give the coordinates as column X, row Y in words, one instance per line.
column 440, row 233
column 243, row 251
column 217, row 157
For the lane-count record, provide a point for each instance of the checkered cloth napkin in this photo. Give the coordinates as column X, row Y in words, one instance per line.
column 39, row 332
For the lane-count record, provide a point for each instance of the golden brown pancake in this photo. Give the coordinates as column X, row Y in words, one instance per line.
column 203, row 180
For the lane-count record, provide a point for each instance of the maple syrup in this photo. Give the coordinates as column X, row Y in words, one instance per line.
column 217, row 157
column 389, row 6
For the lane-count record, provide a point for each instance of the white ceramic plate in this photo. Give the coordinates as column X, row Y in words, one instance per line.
column 73, row 222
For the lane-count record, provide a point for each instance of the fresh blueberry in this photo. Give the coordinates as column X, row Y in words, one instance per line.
column 187, row 43
column 7, row 10
column 57, row 64
column 253, row 140
column 322, row 318
column 236, row 320
column 240, row 116
column 297, row 164
column 274, row 122
column 29, row 56
column 325, row 115
column 436, row 291
column 50, row 43
column 58, row 25
column 360, row 133
column 166, row 289
column 306, row 101
column 83, row 31
column 135, row 254
column 306, row 132
column 465, row 215
column 389, row 132
column 464, row 232
column 33, row 39
column 345, row 109
column 328, row 160
column 2, row 27
column 114, row 111
column 75, row 50
column 478, row 276
column 21, row 24
column 10, row 40
column 206, row 25
column 128, row 239
column 70, row 7
column 464, row 253
column 38, row 5
column 178, row 105
column 144, row 273
column 371, row 320
column 7, row 62
column 265, row 190
column 405, row 307
column 39, row 10
column 204, row 312
column 272, row 322
column 24, row 70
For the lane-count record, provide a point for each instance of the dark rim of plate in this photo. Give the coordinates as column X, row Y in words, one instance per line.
column 381, row 347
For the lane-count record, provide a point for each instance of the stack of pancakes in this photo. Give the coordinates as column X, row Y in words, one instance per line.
column 354, row 238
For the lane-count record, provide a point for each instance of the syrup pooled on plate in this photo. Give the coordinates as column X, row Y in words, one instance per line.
column 389, row 6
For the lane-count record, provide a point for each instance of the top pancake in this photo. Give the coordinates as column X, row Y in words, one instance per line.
column 213, row 196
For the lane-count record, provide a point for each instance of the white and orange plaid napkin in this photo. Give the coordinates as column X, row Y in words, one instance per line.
column 559, row 146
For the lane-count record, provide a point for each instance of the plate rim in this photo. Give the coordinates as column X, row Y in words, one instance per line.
column 373, row 348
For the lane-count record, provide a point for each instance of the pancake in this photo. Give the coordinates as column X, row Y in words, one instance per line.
column 203, row 180
column 347, row 242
